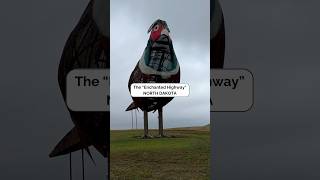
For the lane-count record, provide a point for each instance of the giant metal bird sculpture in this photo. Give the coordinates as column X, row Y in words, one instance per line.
column 158, row 64
column 86, row 47
column 217, row 34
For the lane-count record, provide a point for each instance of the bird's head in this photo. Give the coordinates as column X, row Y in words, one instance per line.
column 157, row 29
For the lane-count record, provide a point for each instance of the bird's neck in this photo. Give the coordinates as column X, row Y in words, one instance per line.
column 101, row 15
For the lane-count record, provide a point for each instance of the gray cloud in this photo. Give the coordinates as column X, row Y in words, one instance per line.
column 188, row 19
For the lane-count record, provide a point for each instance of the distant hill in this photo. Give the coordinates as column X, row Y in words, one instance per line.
column 196, row 128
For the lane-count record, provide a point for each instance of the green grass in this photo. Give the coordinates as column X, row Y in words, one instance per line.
column 184, row 156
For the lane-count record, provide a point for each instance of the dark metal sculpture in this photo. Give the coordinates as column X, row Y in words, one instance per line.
column 158, row 64
column 217, row 40
column 86, row 47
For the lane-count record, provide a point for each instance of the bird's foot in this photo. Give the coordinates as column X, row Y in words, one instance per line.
column 162, row 136
column 146, row 137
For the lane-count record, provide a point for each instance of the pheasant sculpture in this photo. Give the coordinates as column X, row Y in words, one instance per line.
column 158, row 64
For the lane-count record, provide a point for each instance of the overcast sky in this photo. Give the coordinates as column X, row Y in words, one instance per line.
column 188, row 21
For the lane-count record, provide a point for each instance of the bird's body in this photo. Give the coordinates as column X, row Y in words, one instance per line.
column 87, row 47
column 158, row 64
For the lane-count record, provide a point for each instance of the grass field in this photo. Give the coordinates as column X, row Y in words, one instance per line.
column 185, row 154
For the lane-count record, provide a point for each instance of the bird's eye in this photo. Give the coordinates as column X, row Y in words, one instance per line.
column 156, row 28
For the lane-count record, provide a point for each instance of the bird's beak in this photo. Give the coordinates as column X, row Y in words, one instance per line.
column 165, row 32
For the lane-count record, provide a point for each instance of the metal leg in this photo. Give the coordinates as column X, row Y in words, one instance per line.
column 82, row 164
column 145, row 117
column 70, row 166
column 135, row 111
column 160, row 122
column 131, row 119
